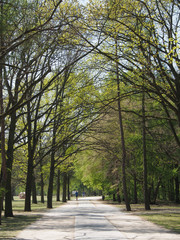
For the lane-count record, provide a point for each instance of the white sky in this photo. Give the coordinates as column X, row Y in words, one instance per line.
column 83, row 1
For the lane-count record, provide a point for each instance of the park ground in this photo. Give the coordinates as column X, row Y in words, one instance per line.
column 168, row 216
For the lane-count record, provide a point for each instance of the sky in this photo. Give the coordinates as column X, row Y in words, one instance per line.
column 83, row 1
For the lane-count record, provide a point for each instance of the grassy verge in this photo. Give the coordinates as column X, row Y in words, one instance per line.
column 170, row 221
column 11, row 226
column 166, row 215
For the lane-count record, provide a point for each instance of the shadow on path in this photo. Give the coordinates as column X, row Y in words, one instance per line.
column 79, row 220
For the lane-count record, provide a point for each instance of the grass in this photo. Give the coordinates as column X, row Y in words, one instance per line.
column 170, row 221
column 166, row 215
column 11, row 226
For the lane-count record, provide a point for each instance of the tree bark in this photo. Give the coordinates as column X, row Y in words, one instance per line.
column 51, row 175
column 34, row 192
column 135, row 189
column 2, row 124
column 118, row 196
column 58, row 186
column 52, row 168
column 156, row 191
column 3, row 152
column 135, row 183
column 42, row 184
column 126, row 197
column 30, row 163
column 9, row 163
column 51, row 178
column 177, row 187
column 64, row 187
column 146, row 194
column 114, row 197
column 68, row 187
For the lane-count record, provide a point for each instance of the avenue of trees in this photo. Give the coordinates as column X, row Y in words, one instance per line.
column 90, row 92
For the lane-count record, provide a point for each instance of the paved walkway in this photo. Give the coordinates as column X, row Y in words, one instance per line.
column 85, row 219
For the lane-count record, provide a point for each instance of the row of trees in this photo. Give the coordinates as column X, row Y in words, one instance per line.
column 140, row 61
column 43, row 106
column 63, row 67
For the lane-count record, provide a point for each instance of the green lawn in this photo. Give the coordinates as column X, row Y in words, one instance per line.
column 11, row 226
column 168, row 220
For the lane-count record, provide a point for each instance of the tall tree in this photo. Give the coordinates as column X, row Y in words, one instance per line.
column 53, row 150
column 124, row 157
column 146, row 193
column 2, row 119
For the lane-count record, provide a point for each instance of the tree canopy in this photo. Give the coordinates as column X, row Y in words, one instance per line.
column 90, row 92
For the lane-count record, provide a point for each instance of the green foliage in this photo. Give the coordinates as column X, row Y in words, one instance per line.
column 43, row 47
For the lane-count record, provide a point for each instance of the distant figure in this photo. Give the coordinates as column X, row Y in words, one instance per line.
column 83, row 194
column 22, row 195
column 76, row 195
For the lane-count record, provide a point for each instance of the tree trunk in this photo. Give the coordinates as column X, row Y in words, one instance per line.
column 114, row 197
column 51, row 179
column 64, row 187
column 156, row 191
column 163, row 191
column 135, row 189
column 171, row 192
column 58, row 187
column 42, row 184
column 51, row 175
column 3, row 152
column 52, row 168
column 118, row 197
column 146, row 194
column 177, row 188
column 2, row 123
column 9, row 163
column 34, row 192
column 68, row 187
column 126, row 197
column 30, row 163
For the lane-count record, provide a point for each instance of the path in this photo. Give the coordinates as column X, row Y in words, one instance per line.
column 85, row 219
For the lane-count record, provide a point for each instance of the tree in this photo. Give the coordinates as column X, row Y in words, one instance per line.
column 2, row 121
column 147, row 57
column 146, row 193
column 13, row 41
column 33, row 63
